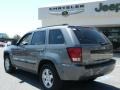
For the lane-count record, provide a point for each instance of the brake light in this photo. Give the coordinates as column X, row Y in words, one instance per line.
column 75, row 54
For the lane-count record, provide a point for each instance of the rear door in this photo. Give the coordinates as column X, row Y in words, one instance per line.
column 96, row 46
column 36, row 49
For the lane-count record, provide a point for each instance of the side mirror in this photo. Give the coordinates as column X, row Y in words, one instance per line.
column 25, row 43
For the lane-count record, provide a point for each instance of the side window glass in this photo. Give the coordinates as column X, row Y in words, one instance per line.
column 56, row 37
column 38, row 38
column 26, row 39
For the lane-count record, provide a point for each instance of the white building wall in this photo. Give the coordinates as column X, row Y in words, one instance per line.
column 89, row 17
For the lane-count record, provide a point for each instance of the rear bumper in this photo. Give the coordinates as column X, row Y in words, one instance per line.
column 80, row 72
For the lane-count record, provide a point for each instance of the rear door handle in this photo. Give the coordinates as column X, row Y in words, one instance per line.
column 41, row 50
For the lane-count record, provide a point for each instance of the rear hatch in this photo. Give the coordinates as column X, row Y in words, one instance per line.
column 95, row 46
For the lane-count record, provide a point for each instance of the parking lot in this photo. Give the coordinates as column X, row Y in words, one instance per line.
column 21, row 80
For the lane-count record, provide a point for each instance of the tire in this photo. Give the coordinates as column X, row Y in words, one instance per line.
column 92, row 79
column 49, row 78
column 7, row 65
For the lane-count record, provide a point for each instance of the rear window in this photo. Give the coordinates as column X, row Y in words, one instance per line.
column 90, row 36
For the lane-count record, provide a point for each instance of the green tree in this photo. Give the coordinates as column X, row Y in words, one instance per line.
column 4, row 36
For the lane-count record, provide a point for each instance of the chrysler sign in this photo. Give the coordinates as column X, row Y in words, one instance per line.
column 66, row 10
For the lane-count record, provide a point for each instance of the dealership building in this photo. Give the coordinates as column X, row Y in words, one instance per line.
column 105, row 15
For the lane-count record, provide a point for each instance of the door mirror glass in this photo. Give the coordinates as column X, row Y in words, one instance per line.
column 24, row 43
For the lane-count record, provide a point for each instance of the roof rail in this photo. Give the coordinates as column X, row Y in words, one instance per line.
column 53, row 25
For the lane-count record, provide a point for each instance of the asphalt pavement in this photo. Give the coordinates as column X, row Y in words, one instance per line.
column 22, row 80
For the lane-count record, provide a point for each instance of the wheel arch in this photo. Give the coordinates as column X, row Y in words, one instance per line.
column 47, row 61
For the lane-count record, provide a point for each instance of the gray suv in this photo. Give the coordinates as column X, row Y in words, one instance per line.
column 60, row 53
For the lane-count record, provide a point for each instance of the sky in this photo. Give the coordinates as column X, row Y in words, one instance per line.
column 21, row 16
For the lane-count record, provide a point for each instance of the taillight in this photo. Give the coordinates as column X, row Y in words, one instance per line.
column 75, row 54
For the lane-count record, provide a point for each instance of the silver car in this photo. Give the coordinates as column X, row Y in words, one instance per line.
column 61, row 53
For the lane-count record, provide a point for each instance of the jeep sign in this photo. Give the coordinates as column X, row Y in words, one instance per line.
column 111, row 7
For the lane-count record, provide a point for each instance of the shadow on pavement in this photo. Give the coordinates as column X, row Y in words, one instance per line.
column 27, row 78
column 93, row 85
column 33, row 80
